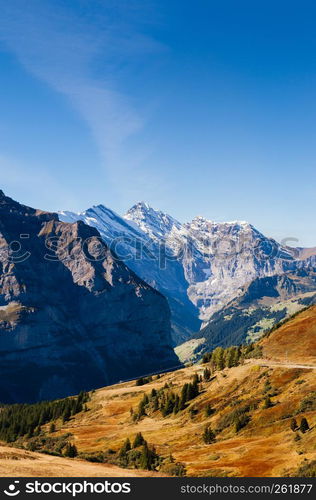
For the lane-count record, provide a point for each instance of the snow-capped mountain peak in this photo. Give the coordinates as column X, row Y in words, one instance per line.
column 155, row 223
column 199, row 266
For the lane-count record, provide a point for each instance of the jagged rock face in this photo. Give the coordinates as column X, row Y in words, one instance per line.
column 259, row 306
column 72, row 315
column 206, row 264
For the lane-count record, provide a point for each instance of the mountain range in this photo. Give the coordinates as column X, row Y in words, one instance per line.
column 200, row 266
column 115, row 294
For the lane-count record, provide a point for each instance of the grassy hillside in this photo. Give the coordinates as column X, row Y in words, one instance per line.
column 247, row 420
column 22, row 463
column 295, row 340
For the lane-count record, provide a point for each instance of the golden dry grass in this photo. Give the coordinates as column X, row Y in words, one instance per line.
column 265, row 447
column 20, row 463
column 294, row 341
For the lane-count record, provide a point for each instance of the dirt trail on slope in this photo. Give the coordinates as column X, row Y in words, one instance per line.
column 280, row 364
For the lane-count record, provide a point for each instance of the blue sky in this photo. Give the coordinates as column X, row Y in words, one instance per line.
column 199, row 108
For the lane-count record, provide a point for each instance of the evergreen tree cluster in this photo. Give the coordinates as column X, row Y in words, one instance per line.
column 71, row 451
column 222, row 358
column 303, row 427
column 166, row 400
column 26, row 419
column 143, row 380
column 140, row 455
column 52, row 445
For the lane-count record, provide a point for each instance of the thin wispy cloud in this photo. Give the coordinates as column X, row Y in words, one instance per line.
column 63, row 49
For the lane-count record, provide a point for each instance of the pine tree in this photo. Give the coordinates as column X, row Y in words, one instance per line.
column 52, row 428
column 183, row 397
column 140, row 381
column 304, row 425
column 293, row 424
column 229, row 357
column 208, row 410
column 71, row 451
column 126, row 446
column 123, row 458
column 207, row 374
column 169, row 406
column 141, row 408
column 145, row 458
column 66, row 415
column 176, row 407
column 218, row 358
column 208, row 435
column 139, row 440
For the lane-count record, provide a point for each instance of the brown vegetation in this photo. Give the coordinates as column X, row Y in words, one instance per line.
column 255, row 412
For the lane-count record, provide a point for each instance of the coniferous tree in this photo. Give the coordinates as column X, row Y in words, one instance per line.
column 71, row 451
column 176, row 408
column 218, row 358
column 304, row 425
column 293, row 424
column 139, row 440
column 66, row 415
column 156, row 403
column 207, row 374
column 169, row 406
column 208, row 435
column 208, row 410
column 123, row 458
column 145, row 458
column 183, row 398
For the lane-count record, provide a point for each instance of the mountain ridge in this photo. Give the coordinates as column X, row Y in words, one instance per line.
column 200, row 265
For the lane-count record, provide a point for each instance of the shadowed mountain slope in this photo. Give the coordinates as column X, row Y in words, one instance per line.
column 72, row 315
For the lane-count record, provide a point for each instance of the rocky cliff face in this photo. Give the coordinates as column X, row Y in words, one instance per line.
column 199, row 266
column 72, row 315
